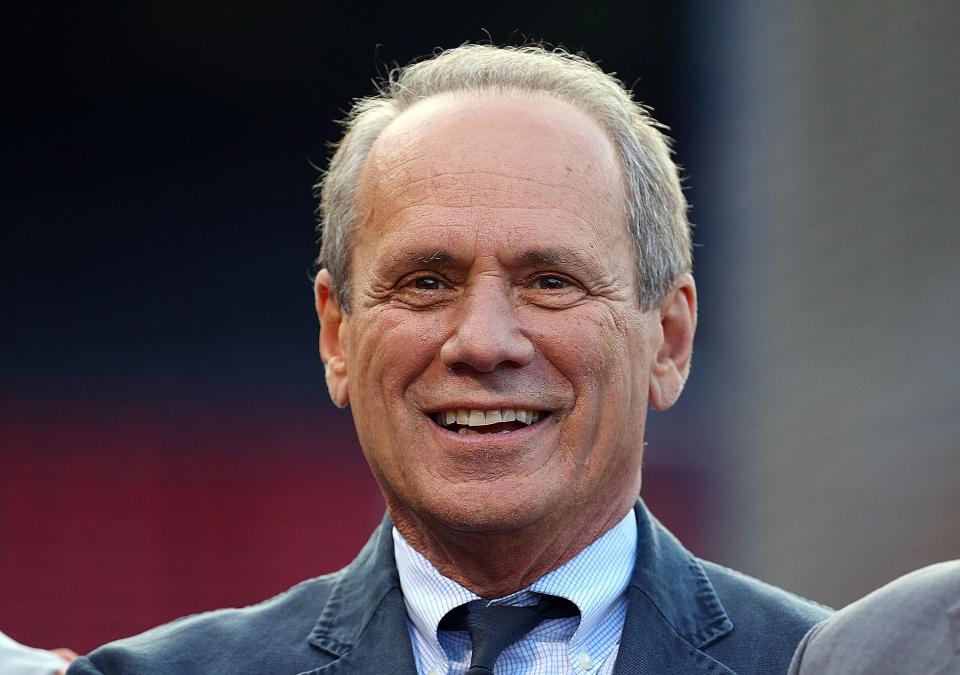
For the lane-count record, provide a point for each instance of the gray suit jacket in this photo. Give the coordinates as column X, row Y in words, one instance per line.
column 911, row 626
column 684, row 616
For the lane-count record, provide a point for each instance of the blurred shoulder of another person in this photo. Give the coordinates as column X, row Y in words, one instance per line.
column 18, row 659
column 911, row 626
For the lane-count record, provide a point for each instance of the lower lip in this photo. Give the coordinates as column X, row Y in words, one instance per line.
column 487, row 440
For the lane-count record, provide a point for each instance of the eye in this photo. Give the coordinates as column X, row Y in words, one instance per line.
column 428, row 284
column 553, row 291
column 424, row 290
column 550, row 283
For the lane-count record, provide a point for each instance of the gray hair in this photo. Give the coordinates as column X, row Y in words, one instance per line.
column 656, row 209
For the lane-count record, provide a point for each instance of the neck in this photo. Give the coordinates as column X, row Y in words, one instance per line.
column 494, row 564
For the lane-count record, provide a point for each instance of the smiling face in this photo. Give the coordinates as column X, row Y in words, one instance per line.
column 495, row 356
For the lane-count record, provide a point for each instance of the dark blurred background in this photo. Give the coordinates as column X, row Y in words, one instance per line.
column 166, row 441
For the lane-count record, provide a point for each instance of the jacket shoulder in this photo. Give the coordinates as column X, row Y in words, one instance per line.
column 768, row 622
column 224, row 640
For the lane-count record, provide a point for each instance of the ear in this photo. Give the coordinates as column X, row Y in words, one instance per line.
column 333, row 338
column 678, row 322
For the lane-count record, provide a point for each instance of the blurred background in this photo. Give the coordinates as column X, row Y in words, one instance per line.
column 166, row 441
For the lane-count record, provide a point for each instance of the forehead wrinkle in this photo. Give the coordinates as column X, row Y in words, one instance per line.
column 408, row 155
column 408, row 168
column 447, row 189
column 418, row 221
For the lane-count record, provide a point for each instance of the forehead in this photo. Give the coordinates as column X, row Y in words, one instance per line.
column 498, row 164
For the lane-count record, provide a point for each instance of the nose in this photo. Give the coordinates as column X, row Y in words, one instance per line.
column 488, row 333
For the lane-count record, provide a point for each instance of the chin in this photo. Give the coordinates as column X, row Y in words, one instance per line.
column 486, row 508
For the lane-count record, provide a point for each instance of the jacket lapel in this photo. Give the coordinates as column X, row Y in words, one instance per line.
column 363, row 627
column 673, row 611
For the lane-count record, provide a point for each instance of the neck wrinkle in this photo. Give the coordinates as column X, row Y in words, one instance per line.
column 496, row 564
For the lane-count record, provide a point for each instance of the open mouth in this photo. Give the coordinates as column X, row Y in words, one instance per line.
column 500, row 421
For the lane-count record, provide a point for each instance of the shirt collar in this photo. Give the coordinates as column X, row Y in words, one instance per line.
column 594, row 580
column 427, row 594
column 597, row 577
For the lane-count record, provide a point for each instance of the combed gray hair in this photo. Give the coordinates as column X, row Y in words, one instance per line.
column 656, row 209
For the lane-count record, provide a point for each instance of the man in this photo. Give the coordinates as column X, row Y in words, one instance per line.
column 911, row 625
column 505, row 288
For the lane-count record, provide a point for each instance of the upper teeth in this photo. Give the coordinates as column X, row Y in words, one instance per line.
column 480, row 418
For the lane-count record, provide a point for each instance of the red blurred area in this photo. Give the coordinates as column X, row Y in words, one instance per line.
column 117, row 518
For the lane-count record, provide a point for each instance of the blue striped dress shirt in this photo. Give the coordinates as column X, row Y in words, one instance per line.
column 595, row 580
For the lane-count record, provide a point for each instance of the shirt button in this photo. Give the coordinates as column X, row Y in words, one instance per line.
column 434, row 671
column 585, row 661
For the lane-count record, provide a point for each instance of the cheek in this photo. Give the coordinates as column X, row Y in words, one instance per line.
column 591, row 349
column 390, row 349
column 599, row 354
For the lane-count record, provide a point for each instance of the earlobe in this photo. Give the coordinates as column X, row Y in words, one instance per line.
column 678, row 323
column 333, row 339
column 335, row 371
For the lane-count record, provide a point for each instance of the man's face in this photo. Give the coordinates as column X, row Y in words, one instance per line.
column 494, row 279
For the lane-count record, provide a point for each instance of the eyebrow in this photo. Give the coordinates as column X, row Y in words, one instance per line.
column 555, row 257
column 429, row 257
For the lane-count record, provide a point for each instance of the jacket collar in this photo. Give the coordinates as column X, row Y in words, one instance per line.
column 362, row 625
column 673, row 611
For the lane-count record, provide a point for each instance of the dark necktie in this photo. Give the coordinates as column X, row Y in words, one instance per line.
column 495, row 627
